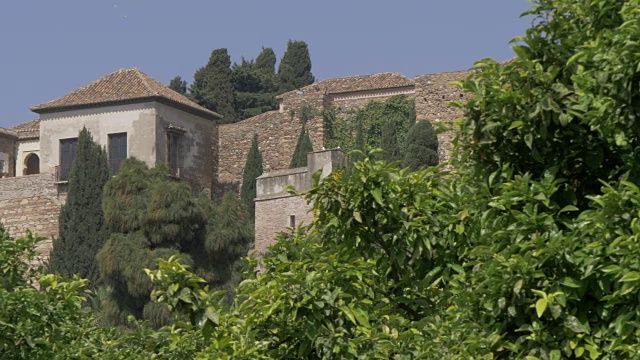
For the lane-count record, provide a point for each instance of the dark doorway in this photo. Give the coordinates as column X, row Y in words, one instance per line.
column 33, row 164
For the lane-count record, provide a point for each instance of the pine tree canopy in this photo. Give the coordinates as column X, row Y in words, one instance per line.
column 252, row 169
column 266, row 61
column 422, row 146
column 303, row 147
column 83, row 229
column 213, row 87
column 294, row 71
column 178, row 85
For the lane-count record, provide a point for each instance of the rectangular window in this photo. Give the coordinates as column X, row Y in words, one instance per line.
column 2, row 169
column 174, row 153
column 67, row 156
column 292, row 221
column 117, row 151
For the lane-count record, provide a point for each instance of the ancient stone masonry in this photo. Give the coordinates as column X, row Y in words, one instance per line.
column 31, row 202
column 433, row 95
column 276, row 209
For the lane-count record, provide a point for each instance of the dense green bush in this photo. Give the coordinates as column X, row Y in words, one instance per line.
column 421, row 147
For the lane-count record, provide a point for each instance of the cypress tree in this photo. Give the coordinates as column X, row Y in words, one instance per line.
column 422, row 146
column 359, row 141
column 389, row 143
column 252, row 169
column 178, row 85
column 294, row 71
column 213, row 85
column 83, row 229
column 266, row 61
column 303, row 146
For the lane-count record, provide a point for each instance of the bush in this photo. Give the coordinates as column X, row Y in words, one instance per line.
column 422, row 146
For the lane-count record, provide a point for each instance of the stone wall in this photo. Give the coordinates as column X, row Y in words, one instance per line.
column 432, row 96
column 276, row 209
column 31, row 202
column 277, row 137
column 7, row 154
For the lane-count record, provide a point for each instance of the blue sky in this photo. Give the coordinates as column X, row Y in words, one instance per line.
column 49, row 48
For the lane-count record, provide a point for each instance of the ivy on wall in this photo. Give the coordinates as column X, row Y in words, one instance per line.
column 340, row 128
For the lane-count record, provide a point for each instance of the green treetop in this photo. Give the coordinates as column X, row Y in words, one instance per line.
column 213, row 87
column 178, row 85
column 294, row 70
column 303, row 147
column 422, row 146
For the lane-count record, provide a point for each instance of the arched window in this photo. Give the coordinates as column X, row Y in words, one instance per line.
column 32, row 163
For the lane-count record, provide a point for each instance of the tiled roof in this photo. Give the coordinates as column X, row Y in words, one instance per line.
column 122, row 86
column 364, row 82
column 8, row 132
column 30, row 129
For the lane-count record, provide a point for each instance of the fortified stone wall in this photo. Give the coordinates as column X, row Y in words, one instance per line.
column 277, row 133
column 276, row 209
column 31, row 202
column 432, row 97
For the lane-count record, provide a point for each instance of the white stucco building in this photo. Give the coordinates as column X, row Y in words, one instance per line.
column 131, row 115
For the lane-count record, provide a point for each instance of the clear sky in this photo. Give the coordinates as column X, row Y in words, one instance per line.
column 51, row 47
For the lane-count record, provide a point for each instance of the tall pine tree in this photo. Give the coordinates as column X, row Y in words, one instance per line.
column 303, row 147
column 266, row 61
column 294, row 71
column 178, row 85
column 213, row 85
column 252, row 169
column 83, row 229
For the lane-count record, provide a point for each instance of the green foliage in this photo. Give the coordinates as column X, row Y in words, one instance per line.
column 212, row 85
column 178, row 85
column 389, row 143
column 398, row 111
column 230, row 235
column 39, row 324
column 294, row 70
column 255, row 86
column 422, row 146
column 252, row 169
column 303, row 147
column 151, row 217
column 83, row 229
column 266, row 61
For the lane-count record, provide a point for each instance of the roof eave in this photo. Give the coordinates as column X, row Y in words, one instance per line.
column 38, row 109
column 408, row 86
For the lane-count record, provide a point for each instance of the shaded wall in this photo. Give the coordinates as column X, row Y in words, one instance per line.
column 432, row 97
column 31, row 202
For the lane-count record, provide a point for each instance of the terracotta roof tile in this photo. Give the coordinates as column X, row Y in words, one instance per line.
column 365, row 82
column 122, row 86
column 8, row 132
column 348, row 84
column 30, row 129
